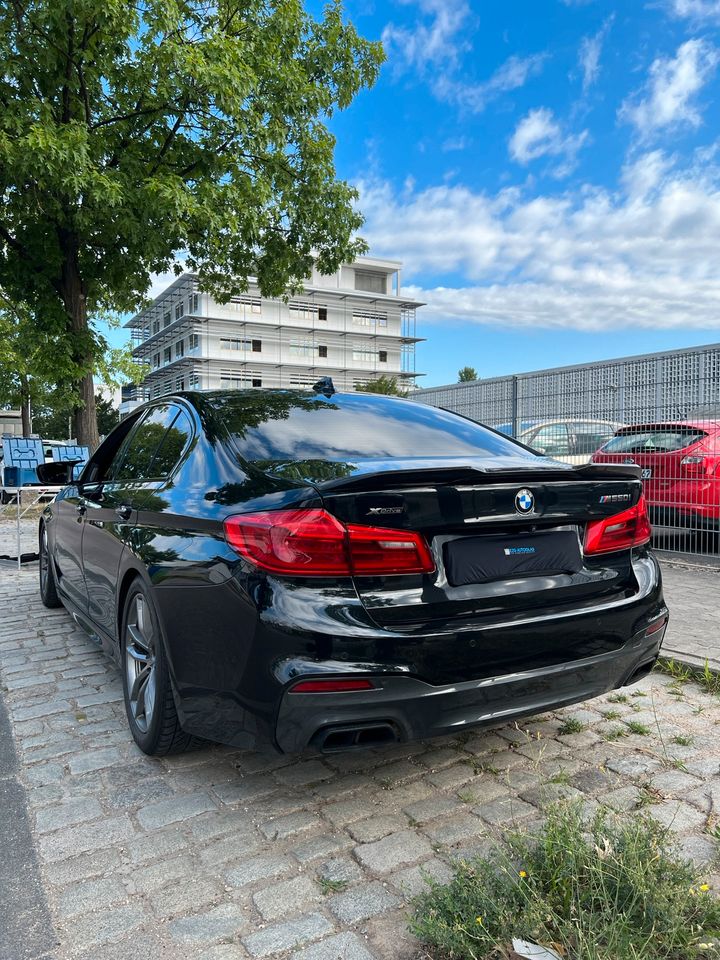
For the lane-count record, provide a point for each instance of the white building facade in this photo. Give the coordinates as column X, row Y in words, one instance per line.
column 353, row 326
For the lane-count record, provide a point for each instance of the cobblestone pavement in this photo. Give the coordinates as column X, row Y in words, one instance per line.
column 693, row 598
column 221, row 854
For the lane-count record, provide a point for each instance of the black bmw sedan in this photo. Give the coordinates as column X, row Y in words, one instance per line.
column 324, row 571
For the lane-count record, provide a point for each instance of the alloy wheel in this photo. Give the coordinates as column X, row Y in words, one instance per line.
column 140, row 662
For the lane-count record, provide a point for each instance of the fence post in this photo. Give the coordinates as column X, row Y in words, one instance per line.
column 514, row 406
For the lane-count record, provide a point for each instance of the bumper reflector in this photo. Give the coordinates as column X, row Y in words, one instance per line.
column 331, row 686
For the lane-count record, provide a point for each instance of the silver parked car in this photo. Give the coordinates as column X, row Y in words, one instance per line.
column 572, row 441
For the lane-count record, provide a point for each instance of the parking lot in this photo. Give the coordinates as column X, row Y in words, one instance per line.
column 222, row 854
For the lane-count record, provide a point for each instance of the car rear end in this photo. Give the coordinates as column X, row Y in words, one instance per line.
column 420, row 596
column 680, row 469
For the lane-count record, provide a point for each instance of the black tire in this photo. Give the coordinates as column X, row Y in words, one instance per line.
column 149, row 702
column 48, row 583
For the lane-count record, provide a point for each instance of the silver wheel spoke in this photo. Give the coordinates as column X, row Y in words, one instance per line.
column 140, row 663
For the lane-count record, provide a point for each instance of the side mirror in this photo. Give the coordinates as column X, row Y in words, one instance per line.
column 56, row 474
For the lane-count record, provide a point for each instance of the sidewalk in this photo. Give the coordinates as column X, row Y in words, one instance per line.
column 693, row 598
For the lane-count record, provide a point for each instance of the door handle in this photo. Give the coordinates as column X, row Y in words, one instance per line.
column 81, row 508
column 123, row 511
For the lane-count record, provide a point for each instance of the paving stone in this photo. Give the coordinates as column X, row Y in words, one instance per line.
column 393, row 851
column 244, row 789
column 286, row 897
column 258, row 868
column 95, row 760
column 110, row 924
column 432, row 807
column 504, row 811
column 42, row 709
column 102, row 833
column 622, row 800
column 80, row 810
column 317, row 847
column 701, row 851
column 343, row 946
column 89, row 895
column 674, row 783
column 94, row 863
column 361, row 902
column 283, row 827
column 285, row 936
column 452, row 830
column 179, row 899
column 541, row 750
column 311, row 771
column 340, row 870
column 226, row 920
column 677, row 816
column 636, row 765
column 157, row 815
column 414, row 880
column 375, row 828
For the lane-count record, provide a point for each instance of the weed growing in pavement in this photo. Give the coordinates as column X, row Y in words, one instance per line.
column 571, row 725
column 618, row 698
column 328, row 885
column 638, row 728
column 611, row 889
column 706, row 678
column 466, row 796
column 616, row 733
column 682, row 740
column 612, row 714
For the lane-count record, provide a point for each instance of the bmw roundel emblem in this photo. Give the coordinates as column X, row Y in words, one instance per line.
column 524, row 501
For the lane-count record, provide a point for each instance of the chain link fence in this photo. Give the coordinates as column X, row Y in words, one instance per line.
column 660, row 411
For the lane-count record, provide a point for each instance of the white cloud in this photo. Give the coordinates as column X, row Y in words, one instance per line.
column 669, row 96
column 511, row 75
column 589, row 54
column 429, row 43
column 644, row 256
column 539, row 134
column 696, row 10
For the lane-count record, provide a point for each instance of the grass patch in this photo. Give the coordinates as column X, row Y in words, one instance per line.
column 612, row 714
column 618, row 698
column 682, row 740
column 466, row 796
column 328, row 886
column 616, row 733
column 608, row 890
column 681, row 674
column 634, row 726
column 571, row 725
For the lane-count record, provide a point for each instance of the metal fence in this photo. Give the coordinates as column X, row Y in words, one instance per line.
column 572, row 413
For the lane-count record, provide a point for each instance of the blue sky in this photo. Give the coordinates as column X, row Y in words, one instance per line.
column 548, row 172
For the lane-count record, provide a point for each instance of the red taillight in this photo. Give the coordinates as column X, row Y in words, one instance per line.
column 631, row 528
column 331, row 686
column 696, row 466
column 313, row 543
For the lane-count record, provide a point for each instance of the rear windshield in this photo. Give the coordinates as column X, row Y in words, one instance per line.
column 281, row 426
column 654, row 440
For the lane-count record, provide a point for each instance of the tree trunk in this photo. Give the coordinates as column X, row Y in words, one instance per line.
column 73, row 295
column 25, row 413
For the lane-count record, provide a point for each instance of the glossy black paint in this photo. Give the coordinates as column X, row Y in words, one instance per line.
column 237, row 637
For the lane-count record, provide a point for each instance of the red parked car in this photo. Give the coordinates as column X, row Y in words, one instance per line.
column 680, row 464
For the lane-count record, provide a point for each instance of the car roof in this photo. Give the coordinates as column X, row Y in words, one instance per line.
column 674, row 424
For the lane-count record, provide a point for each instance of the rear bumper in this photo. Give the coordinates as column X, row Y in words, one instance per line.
column 417, row 710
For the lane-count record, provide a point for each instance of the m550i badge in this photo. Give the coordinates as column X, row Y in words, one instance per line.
column 615, row 498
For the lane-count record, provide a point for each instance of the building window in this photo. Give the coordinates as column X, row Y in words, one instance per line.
column 382, row 356
column 365, row 318
column 194, row 303
column 179, row 310
column 166, row 319
column 363, row 352
column 322, row 351
column 167, row 386
column 234, row 343
column 180, row 383
column 245, row 305
column 167, row 354
column 257, row 382
column 257, row 346
column 193, row 342
column 301, row 348
column 180, row 349
column 156, row 390
column 194, row 381
column 156, row 361
column 322, row 313
column 155, row 327
column 370, row 282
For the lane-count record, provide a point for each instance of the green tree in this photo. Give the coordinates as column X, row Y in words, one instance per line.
column 383, row 384
column 132, row 131
column 52, row 417
column 466, row 374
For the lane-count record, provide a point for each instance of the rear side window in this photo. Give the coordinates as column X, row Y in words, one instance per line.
column 282, row 426
column 590, row 436
column 154, row 447
column 652, row 440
